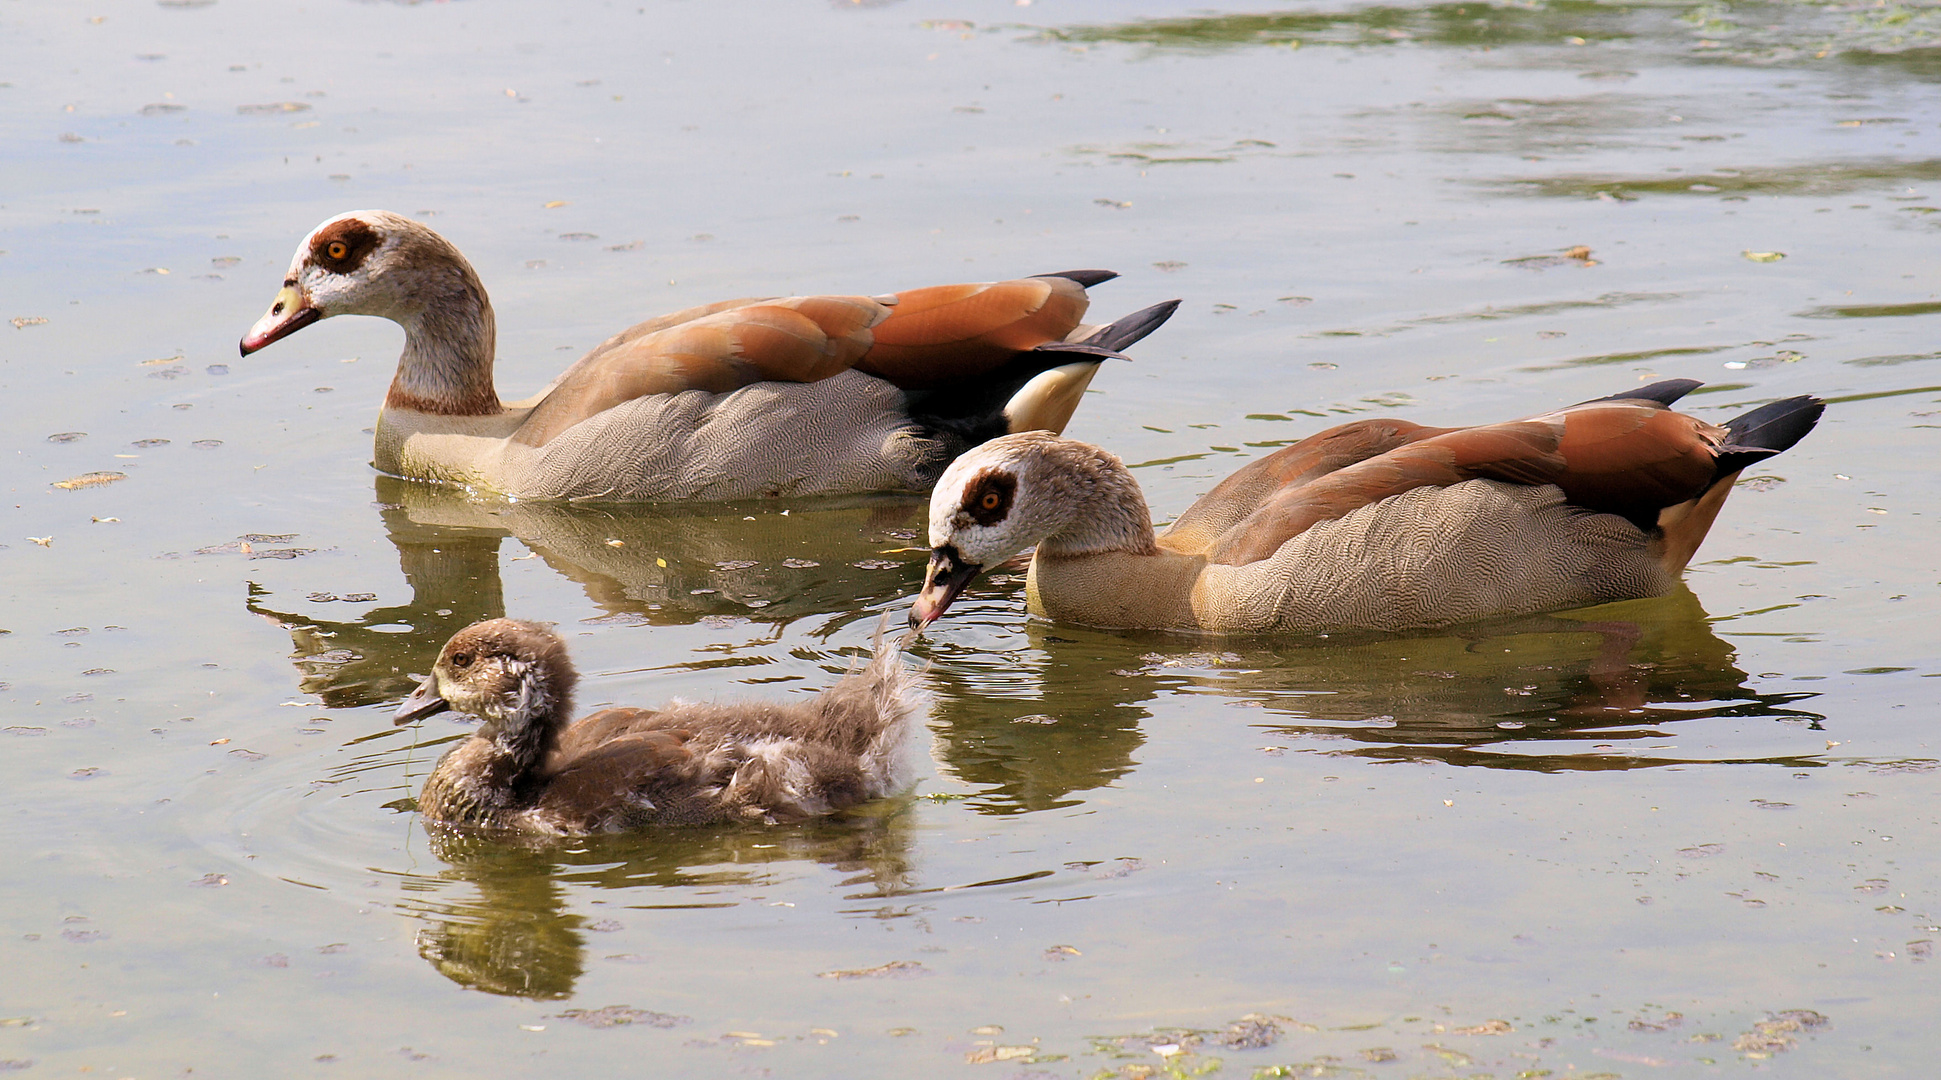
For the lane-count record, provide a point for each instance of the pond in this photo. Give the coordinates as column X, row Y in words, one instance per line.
column 1670, row 837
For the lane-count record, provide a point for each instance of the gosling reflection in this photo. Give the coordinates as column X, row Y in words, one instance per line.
column 660, row 565
column 516, row 935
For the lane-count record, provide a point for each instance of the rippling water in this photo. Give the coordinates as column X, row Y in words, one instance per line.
column 1666, row 837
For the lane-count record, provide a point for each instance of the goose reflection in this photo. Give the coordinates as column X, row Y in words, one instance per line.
column 500, row 916
column 662, row 565
column 1034, row 726
column 1496, row 695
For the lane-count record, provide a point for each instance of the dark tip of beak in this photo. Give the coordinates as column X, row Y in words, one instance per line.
column 424, row 701
column 943, row 580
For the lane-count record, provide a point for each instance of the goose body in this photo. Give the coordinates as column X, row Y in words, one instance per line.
column 1377, row 524
column 801, row 395
column 531, row 769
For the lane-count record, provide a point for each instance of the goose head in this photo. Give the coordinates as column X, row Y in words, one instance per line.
column 374, row 262
column 1067, row 497
column 366, row 262
column 514, row 675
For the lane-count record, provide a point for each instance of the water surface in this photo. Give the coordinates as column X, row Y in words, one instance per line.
column 1672, row 837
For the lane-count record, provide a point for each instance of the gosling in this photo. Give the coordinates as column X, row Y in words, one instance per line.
column 531, row 770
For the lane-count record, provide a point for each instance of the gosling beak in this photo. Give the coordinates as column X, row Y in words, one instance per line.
column 290, row 313
column 942, row 581
column 424, row 701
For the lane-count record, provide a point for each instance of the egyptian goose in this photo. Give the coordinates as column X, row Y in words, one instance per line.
column 1378, row 524
column 803, row 395
column 530, row 769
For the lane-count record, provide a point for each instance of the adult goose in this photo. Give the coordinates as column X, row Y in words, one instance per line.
column 801, row 395
column 531, row 769
column 1378, row 524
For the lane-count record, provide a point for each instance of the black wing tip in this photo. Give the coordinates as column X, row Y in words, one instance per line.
column 1129, row 329
column 1776, row 425
column 1665, row 392
column 1085, row 278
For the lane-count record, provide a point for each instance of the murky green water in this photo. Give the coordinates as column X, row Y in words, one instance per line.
column 1665, row 838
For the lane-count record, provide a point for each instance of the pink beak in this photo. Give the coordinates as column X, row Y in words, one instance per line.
column 286, row 316
column 943, row 580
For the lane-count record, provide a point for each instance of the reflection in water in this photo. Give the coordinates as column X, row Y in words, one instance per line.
column 659, row 565
column 454, row 579
column 1031, row 726
column 1034, row 725
column 1817, row 178
column 1461, row 25
column 1496, row 694
column 1763, row 33
column 517, row 936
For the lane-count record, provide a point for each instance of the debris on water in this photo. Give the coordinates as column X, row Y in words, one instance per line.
column 274, row 108
column 93, row 479
column 895, row 969
column 800, row 564
column 24, row 321
column 1666, row 1023
column 1487, row 1027
column 210, row 881
column 1036, row 718
column 87, row 773
column 1581, row 255
column 1701, row 851
column 1250, row 1032
column 1169, row 266
column 66, row 436
column 1113, row 203
column 613, row 1016
column 1378, row 1054
column 1764, row 256
column 984, row 1055
column 1777, row 1033
column 1062, row 952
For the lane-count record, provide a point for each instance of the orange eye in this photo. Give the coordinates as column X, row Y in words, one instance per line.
column 461, row 660
column 990, row 500
column 337, row 249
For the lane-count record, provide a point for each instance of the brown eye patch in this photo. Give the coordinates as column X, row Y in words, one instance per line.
column 343, row 246
column 988, row 498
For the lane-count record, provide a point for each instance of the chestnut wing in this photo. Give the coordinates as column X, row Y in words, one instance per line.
column 1237, row 498
column 718, row 349
column 1631, row 457
column 948, row 332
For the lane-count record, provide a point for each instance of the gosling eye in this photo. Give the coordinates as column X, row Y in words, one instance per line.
column 461, row 660
column 337, row 250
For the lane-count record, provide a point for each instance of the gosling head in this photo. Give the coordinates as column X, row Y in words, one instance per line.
column 504, row 671
column 366, row 262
